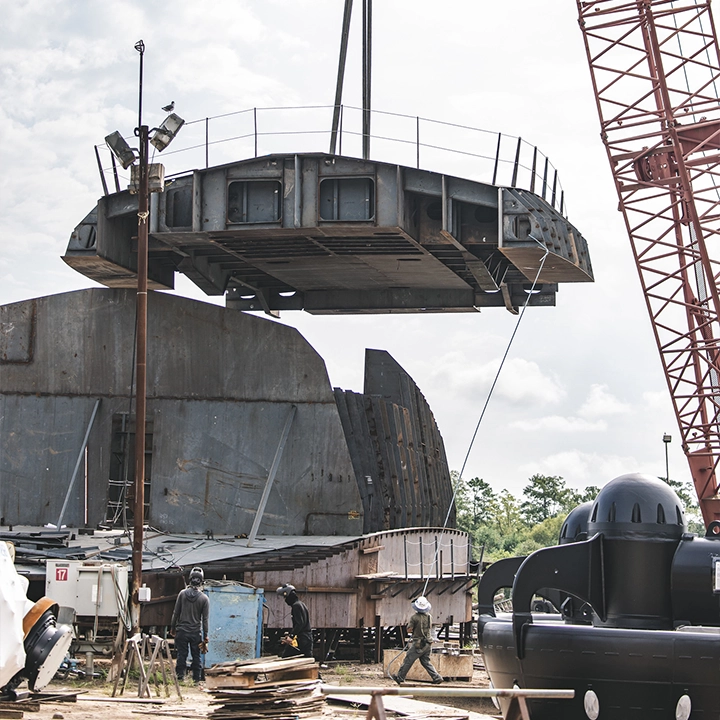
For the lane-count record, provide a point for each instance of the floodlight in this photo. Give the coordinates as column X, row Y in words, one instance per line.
column 120, row 149
column 166, row 132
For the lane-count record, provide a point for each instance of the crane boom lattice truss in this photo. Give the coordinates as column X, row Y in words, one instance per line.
column 655, row 71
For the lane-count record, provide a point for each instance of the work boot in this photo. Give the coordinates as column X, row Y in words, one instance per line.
column 438, row 680
column 397, row 679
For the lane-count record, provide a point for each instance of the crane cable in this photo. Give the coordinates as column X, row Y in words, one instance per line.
column 438, row 545
column 485, row 406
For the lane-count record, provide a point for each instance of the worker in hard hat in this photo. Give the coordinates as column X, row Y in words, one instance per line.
column 421, row 638
column 301, row 636
column 190, row 625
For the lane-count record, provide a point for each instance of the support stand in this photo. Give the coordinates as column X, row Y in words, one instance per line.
column 150, row 655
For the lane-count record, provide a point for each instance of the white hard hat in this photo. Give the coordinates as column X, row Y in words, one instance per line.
column 422, row 605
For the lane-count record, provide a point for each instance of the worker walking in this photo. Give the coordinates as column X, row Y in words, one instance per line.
column 301, row 630
column 420, row 645
column 190, row 625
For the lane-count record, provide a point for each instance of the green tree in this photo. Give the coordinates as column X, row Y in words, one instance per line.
column 586, row 495
column 542, row 535
column 545, row 496
column 500, row 525
column 688, row 496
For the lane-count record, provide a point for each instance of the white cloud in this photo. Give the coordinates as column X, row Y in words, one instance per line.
column 580, row 469
column 559, row 423
column 601, row 403
column 520, row 380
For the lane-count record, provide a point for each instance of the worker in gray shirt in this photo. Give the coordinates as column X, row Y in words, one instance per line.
column 190, row 624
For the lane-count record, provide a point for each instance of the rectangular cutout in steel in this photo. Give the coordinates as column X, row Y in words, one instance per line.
column 254, row 201
column 347, row 199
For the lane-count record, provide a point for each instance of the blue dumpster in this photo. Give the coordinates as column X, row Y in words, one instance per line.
column 235, row 625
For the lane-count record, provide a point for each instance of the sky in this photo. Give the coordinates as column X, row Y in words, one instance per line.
column 581, row 393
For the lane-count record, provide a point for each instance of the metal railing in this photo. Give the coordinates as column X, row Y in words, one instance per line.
column 408, row 140
column 376, row 707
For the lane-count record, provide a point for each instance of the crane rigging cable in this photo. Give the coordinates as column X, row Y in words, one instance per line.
column 458, row 483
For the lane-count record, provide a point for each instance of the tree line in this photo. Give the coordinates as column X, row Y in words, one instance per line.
column 503, row 525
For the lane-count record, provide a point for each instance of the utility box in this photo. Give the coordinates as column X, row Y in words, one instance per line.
column 91, row 589
column 235, row 625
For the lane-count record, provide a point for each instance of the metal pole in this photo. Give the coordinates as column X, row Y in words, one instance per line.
column 341, row 74
column 255, row 122
column 207, row 143
column 115, row 173
column 140, row 379
column 367, row 75
column 342, row 117
column 271, row 476
column 100, row 168
column 497, row 159
column 140, row 360
column 417, row 141
column 77, row 464
column 534, row 170
column 516, row 166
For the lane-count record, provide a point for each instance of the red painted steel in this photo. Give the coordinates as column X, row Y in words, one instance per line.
column 655, row 69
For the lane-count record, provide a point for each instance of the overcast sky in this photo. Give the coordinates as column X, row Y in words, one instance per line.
column 582, row 394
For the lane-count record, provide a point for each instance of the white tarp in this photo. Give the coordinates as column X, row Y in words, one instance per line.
column 13, row 606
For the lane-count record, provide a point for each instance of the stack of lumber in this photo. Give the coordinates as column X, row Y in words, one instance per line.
column 274, row 688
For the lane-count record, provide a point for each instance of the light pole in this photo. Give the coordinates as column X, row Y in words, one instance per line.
column 140, row 183
column 140, row 357
column 667, row 439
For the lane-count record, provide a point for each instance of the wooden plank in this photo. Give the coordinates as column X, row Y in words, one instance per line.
column 250, row 680
column 26, row 705
column 131, row 700
column 272, row 665
column 407, row 706
column 374, row 549
column 309, row 673
column 11, row 714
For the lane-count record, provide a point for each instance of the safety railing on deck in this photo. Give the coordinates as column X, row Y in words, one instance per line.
column 412, row 141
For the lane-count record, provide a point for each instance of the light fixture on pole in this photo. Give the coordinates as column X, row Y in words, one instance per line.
column 667, row 439
column 140, row 184
column 120, row 149
column 167, row 131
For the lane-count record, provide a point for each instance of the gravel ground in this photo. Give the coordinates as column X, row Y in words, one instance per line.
column 95, row 703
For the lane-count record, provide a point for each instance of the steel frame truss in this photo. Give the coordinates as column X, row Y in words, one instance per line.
column 655, row 71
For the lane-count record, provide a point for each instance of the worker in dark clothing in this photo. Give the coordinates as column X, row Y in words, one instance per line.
column 301, row 630
column 420, row 645
column 190, row 624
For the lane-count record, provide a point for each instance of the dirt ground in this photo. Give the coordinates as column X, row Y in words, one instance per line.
column 95, row 702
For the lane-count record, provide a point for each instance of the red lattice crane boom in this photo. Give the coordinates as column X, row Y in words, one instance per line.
column 655, row 70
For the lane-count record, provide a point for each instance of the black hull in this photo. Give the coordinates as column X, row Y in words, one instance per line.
column 634, row 673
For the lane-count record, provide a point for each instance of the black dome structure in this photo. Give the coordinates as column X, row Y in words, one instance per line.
column 637, row 636
column 637, row 505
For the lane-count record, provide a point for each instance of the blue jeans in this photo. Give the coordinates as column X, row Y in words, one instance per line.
column 185, row 641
